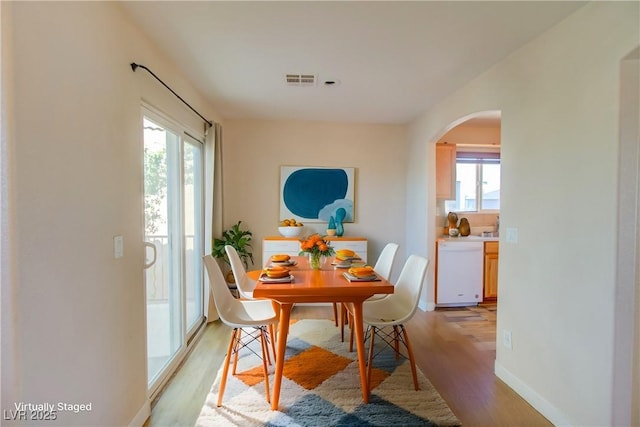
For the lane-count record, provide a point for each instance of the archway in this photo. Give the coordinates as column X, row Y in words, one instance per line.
column 481, row 130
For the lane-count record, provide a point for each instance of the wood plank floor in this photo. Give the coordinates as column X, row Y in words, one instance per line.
column 459, row 368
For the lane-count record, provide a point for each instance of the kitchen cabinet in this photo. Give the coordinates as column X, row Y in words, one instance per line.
column 446, row 171
column 491, row 270
column 291, row 246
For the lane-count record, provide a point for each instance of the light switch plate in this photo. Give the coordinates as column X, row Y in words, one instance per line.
column 118, row 246
column 512, row 235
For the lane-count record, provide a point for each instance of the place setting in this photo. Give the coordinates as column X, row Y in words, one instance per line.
column 361, row 274
column 346, row 258
column 277, row 270
column 282, row 260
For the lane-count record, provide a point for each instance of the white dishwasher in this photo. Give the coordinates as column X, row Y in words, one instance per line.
column 460, row 272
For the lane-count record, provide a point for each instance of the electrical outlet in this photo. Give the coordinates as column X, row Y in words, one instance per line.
column 506, row 338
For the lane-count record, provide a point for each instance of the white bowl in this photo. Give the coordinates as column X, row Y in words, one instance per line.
column 290, row 231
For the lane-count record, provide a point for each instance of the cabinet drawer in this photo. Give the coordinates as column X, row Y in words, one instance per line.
column 273, row 247
column 289, row 247
column 491, row 247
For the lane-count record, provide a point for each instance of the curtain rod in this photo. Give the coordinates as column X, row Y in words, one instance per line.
column 134, row 66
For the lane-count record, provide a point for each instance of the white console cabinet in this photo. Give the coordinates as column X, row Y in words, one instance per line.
column 291, row 246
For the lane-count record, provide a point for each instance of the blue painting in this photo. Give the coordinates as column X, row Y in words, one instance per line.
column 315, row 194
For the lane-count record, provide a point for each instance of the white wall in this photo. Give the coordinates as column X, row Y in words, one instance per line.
column 76, row 179
column 254, row 150
column 627, row 299
column 559, row 101
column 468, row 134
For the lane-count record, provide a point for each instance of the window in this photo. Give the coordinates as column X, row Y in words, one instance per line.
column 477, row 182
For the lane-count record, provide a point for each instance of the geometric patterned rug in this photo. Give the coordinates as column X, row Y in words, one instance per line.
column 321, row 387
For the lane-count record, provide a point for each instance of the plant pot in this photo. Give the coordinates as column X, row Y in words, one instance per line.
column 229, row 277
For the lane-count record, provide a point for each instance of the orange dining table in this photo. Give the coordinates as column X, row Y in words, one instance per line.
column 325, row 285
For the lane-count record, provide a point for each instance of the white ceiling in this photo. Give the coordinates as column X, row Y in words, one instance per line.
column 392, row 60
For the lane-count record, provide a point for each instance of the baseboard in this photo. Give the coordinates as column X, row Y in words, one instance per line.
column 142, row 415
column 429, row 306
column 549, row 411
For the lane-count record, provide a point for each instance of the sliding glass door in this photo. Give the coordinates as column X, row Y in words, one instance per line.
column 173, row 240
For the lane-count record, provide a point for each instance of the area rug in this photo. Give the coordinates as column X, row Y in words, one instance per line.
column 321, row 387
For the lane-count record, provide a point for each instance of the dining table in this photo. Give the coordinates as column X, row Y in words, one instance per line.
column 326, row 285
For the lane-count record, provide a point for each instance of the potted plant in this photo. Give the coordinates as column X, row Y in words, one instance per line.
column 240, row 240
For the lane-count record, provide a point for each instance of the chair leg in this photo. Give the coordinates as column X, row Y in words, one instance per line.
column 411, row 359
column 266, row 339
column 343, row 320
column 236, row 350
column 272, row 335
column 371, row 330
column 335, row 313
column 350, row 332
column 225, row 370
column 396, row 341
column 265, row 353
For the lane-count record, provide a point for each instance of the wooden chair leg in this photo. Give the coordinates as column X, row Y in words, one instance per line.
column 265, row 353
column 372, row 334
column 236, row 350
column 225, row 369
column 272, row 336
column 350, row 333
column 343, row 320
column 396, row 341
column 335, row 313
column 411, row 359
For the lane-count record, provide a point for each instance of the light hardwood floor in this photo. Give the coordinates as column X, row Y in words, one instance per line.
column 461, row 371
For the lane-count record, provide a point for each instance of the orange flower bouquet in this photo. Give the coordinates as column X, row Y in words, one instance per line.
column 317, row 247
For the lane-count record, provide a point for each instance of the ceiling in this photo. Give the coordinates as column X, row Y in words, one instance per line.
column 391, row 61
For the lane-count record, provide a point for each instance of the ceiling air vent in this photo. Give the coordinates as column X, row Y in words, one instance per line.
column 301, row 79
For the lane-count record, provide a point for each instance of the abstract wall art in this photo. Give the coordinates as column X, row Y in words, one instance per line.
column 314, row 194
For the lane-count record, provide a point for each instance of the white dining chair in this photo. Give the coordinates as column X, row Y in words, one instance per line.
column 394, row 311
column 384, row 264
column 383, row 268
column 243, row 282
column 245, row 286
column 239, row 314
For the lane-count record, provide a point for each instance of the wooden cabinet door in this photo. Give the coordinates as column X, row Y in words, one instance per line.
column 490, row 276
column 446, row 171
column 490, row 270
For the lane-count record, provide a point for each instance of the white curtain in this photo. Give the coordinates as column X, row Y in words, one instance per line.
column 213, row 205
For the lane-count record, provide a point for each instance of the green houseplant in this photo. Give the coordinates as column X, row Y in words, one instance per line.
column 238, row 238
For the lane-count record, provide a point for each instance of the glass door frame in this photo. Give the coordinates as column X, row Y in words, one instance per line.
column 186, row 333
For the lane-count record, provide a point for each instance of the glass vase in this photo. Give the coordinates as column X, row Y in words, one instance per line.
column 315, row 261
